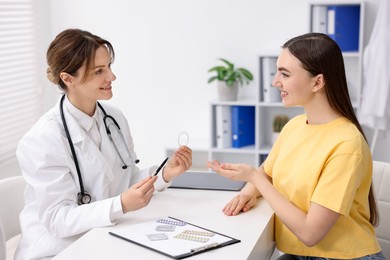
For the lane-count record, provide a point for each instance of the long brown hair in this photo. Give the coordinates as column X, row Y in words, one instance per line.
column 319, row 54
column 70, row 50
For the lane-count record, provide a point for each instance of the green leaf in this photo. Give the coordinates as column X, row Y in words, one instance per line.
column 217, row 68
column 212, row 79
column 228, row 63
column 246, row 73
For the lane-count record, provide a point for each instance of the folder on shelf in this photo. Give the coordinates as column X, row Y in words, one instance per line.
column 173, row 237
column 243, row 126
column 223, row 126
column 343, row 22
column 268, row 67
column 319, row 16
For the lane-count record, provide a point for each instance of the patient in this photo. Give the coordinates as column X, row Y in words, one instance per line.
column 317, row 177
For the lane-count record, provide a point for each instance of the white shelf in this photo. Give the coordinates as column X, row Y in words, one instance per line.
column 353, row 54
column 271, row 104
column 241, row 102
column 244, row 150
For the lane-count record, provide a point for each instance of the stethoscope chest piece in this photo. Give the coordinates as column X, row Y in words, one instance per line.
column 83, row 198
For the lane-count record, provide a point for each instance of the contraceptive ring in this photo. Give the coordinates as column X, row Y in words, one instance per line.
column 183, row 138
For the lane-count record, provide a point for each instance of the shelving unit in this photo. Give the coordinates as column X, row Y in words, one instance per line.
column 268, row 105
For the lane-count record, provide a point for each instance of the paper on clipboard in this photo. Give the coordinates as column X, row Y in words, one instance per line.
column 174, row 247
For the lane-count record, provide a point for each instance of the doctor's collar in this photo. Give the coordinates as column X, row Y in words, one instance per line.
column 84, row 120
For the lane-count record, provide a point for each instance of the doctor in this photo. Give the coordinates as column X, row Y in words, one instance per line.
column 78, row 160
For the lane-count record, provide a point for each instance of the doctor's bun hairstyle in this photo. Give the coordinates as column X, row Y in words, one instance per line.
column 70, row 50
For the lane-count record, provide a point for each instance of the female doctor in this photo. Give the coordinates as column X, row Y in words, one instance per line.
column 78, row 160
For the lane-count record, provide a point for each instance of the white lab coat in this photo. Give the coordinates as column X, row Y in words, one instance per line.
column 375, row 109
column 52, row 219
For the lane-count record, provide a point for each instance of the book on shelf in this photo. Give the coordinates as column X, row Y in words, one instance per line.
column 223, row 117
column 343, row 22
column 243, row 126
column 268, row 71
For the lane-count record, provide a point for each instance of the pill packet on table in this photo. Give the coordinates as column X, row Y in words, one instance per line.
column 169, row 228
column 157, row 236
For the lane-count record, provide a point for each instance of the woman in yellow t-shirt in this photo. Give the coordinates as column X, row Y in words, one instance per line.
column 317, row 177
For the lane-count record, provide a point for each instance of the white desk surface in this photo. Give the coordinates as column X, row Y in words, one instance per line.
column 199, row 207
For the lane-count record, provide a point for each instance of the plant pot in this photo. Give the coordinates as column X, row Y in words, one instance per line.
column 227, row 93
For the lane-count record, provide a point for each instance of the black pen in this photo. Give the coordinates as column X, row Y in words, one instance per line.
column 161, row 165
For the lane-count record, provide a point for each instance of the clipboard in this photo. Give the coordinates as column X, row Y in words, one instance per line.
column 185, row 240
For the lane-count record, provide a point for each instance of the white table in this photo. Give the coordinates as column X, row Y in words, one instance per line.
column 198, row 207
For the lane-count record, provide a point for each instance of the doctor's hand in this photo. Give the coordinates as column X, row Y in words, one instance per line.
column 138, row 195
column 180, row 162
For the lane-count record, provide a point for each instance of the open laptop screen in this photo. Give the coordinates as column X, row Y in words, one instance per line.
column 205, row 181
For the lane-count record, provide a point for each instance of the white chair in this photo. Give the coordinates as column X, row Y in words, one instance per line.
column 381, row 182
column 11, row 204
column 276, row 253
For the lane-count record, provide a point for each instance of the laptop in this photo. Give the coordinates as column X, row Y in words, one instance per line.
column 205, row 181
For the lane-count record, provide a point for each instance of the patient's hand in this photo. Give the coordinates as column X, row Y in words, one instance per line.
column 242, row 202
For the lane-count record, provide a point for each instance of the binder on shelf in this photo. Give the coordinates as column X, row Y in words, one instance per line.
column 343, row 22
column 268, row 67
column 223, row 117
column 319, row 16
column 243, row 126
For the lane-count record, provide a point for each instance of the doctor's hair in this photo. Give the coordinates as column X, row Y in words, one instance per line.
column 70, row 50
column 320, row 54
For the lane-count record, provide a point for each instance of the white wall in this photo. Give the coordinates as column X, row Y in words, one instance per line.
column 164, row 49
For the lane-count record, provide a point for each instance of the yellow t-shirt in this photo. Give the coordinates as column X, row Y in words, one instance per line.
column 330, row 165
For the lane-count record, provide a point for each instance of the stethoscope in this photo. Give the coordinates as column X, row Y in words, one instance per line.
column 83, row 197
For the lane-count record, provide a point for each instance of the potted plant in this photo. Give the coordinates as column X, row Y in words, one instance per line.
column 229, row 79
column 278, row 124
